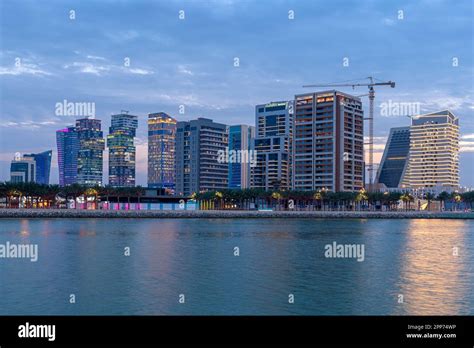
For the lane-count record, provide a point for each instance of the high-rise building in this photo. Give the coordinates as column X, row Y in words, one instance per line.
column 395, row 158
column 273, row 144
column 328, row 142
column 68, row 147
column 90, row 154
column 43, row 166
column 198, row 143
column 22, row 169
column 161, row 151
column 241, row 141
column 433, row 160
column 122, row 152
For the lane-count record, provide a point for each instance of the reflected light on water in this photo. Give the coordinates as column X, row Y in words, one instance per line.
column 432, row 280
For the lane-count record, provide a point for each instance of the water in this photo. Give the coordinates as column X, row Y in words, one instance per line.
column 278, row 257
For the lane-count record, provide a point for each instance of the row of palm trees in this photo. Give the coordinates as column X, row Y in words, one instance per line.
column 33, row 195
column 321, row 199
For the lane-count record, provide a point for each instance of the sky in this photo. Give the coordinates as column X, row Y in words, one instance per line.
column 220, row 58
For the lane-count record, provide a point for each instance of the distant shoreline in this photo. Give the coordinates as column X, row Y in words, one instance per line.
column 229, row 214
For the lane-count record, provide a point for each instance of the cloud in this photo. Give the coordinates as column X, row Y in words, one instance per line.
column 88, row 68
column 443, row 102
column 27, row 124
column 95, row 57
column 24, row 69
column 183, row 70
column 467, row 143
column 138, row 71
column 388, row 21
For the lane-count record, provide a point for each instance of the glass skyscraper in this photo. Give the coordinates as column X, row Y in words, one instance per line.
column 161, row 151
column 90, row 154
column 43, row 166
column 122, row 152
column 241, row 138
column 395, row 158
column 68, row 146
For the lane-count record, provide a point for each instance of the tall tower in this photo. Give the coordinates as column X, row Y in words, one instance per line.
column 90, row 154
column 328, row 144
column 122, row 152
column 198, row 143
column 241, row 140
column 161, row 151
column 68, row 147
column 273, row 144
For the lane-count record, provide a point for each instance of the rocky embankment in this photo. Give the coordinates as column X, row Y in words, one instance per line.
column 228, row 214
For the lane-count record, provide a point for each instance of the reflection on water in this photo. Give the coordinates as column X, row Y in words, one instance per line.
column 278, row 257
column 436, row 275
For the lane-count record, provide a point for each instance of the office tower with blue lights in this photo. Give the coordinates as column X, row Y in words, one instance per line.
column 68, row 146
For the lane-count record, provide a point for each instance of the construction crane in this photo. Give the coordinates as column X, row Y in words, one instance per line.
column 371, row 95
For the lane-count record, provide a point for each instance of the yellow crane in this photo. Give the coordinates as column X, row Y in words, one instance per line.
column 371, row 95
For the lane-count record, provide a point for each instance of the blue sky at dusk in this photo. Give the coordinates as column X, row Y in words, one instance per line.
column 190, row 62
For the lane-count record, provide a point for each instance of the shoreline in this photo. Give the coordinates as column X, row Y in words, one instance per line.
column 229, row 214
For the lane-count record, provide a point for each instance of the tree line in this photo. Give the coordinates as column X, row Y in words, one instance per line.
column 33, row 195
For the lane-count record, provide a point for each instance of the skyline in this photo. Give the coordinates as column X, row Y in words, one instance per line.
column 190, row 62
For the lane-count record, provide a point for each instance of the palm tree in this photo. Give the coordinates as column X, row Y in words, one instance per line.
column 429, row 197
column 361, row 196
column 443, row 197
column 407, row 198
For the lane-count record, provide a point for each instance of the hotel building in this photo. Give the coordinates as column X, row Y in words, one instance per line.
column 90, row 153
column 433, row 161
column 198, row 143
column 395, row 158
column 328, row 148
column 122, row 152
column 68, row 147
column 241, row 140
column 161, row 151
column 273, row 144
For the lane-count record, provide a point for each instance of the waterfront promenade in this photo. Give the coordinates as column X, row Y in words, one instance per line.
column 230, row 214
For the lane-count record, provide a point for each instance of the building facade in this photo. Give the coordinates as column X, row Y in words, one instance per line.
column 122, row 151
column 433, row 161
column 90, row 154
column 22, row 169
column 43, row 166
column 198, row 144
column 395, row 158
column 328, row 150
column 161, row 151
column 67, row 143
column 241, row 141
column 273, row 145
